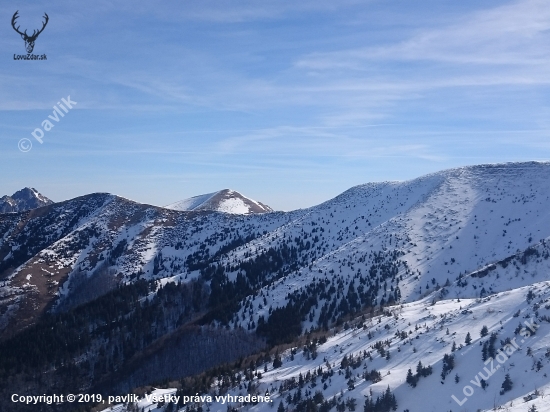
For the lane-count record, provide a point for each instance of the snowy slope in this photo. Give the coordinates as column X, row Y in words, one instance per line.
column 190, row 203
column 433, row 229
column 227, row 201
column 438, row 326
column 425, row 332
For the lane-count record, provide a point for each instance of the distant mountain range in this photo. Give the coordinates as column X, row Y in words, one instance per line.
column 226, row 200
column 124, row 294
column 24, row 199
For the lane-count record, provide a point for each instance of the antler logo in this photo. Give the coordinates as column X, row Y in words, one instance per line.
column 29, row 40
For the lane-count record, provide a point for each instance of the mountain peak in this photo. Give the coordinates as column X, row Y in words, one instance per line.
column 24, row 199
column 226, row 200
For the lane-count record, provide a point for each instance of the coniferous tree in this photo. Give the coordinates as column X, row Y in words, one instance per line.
column 351, row 403
column 369, row 405
column 491, row 351
column 419, row 368
column 448, row 365
column 277, row 362
column 506, row 385
column 411, row 380
column 484, row 351
column 484, row 331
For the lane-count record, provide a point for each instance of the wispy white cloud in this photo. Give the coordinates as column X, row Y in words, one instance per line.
column 324, row 142
column 512, row 34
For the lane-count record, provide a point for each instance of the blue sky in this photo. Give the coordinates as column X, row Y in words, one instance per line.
column 288, row 102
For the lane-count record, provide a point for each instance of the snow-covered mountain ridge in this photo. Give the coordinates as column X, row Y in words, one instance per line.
column 226, row 200
column 431, row 229
column 24, row 199
column 427, row 230
column 465, row 233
